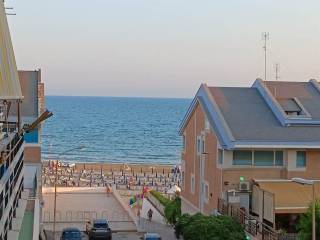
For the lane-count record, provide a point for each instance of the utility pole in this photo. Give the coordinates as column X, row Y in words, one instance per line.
column 277, row 69
column 265, row 37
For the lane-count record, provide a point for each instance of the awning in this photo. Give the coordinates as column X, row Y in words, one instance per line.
column 9, row 80
column 289, row 197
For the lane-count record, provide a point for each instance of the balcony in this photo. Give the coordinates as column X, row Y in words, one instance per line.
column 9, row 147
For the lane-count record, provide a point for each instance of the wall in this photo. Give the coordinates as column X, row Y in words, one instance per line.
column 191, row 162
column 312, row 169
column 29, row 87
column 32, row 153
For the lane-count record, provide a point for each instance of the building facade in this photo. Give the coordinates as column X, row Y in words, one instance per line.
column 21, row 101
column 234, row 139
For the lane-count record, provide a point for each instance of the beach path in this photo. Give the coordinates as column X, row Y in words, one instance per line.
column 76, row 205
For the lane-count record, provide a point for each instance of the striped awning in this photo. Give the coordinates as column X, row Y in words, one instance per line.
column 9, row 80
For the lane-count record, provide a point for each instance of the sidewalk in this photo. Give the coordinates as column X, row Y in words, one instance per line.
column 165, row 231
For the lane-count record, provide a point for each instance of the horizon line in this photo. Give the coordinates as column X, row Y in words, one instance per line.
column 102, row 96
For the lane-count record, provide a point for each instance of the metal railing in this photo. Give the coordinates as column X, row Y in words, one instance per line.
column 83, row 216
column 251, row 224
column 11, row 151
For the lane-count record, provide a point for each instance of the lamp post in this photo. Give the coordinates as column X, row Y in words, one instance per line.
column 55, row 185
column 310, row 183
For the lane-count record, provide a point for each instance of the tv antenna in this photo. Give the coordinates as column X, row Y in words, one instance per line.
column 10, row 14
column 265, row 37
column 277, row 70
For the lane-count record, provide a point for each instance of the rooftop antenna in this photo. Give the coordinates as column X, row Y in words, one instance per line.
column 10, row 8
column 265, row 37
column 277, row 69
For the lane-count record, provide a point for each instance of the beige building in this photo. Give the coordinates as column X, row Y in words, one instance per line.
column 244, row 144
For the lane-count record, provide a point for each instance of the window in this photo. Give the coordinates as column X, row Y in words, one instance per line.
column 192, row 183
column 278, row 158
column 206, row 192
column 291, row 107
column 220, row 156
column 242, row 157
column 263, row 158
column 206, row 124
column 183, row 142
column 182, row 179
column 202, row 146
column 301, row 159
column 198, row 145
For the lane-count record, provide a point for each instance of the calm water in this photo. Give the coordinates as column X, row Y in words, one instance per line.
column 132, row 130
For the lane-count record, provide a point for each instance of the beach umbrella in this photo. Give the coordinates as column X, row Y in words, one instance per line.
column 174, row 189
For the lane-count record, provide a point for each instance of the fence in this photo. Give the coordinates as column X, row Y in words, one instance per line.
column 83, row 216
column 251, row 224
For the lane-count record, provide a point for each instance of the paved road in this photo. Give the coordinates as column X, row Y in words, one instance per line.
column 166, row 232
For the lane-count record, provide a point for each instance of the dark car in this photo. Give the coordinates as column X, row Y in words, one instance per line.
column 71, row 234
column 151, row 236
column 100, row 230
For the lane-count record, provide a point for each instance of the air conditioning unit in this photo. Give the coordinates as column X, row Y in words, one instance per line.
column 244, row 186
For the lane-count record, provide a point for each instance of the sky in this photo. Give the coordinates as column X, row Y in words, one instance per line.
column 163, row 48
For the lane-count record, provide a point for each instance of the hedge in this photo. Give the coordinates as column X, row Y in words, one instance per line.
column 162, row 199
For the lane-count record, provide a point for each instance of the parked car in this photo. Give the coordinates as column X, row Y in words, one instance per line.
column 151, row 236
column 99, row 229
column 71, row 234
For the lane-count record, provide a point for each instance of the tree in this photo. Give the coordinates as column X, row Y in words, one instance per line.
column 305, row 223
column 172, row 210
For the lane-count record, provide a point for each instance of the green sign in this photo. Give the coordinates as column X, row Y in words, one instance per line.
column 241, row 178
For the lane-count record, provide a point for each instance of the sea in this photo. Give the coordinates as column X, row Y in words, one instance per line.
column 113, row 129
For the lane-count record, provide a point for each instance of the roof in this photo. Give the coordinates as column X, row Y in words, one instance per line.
column 290, row 197
column 9, row 79
column 253, row 116
column 305, row 92
column 71, row 229
column 152, row 235
column 100, row 221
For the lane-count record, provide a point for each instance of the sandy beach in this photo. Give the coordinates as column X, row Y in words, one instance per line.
column 131, row 177
column 117, row 167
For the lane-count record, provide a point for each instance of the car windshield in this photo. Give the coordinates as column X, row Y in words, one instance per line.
column 100, row 225
column 72, row 234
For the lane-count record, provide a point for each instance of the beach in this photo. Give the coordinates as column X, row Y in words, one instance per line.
column 124, row 176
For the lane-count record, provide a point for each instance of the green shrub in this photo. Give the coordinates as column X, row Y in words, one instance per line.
column 182, row 222
column 200, row 227
column 162, row 199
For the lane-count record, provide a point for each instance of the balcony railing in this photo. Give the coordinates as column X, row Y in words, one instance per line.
column 251, row 224
column 9, row 152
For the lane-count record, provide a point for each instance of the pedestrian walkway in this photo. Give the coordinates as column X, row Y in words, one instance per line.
column 76, row 205
column 165, row 231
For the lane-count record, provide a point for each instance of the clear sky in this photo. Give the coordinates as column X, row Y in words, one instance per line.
column 163, row 48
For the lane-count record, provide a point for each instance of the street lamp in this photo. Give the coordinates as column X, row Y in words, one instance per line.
column 310, row 183
column 55, row 185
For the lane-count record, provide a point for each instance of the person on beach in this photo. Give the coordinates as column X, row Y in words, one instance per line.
column 109, row 189
column 139, row 215
column 150, row 212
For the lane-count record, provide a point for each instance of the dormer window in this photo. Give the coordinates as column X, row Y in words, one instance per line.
column 292, row 107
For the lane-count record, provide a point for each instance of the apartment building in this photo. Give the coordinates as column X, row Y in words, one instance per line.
column 21, row 101
column 245, row 144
